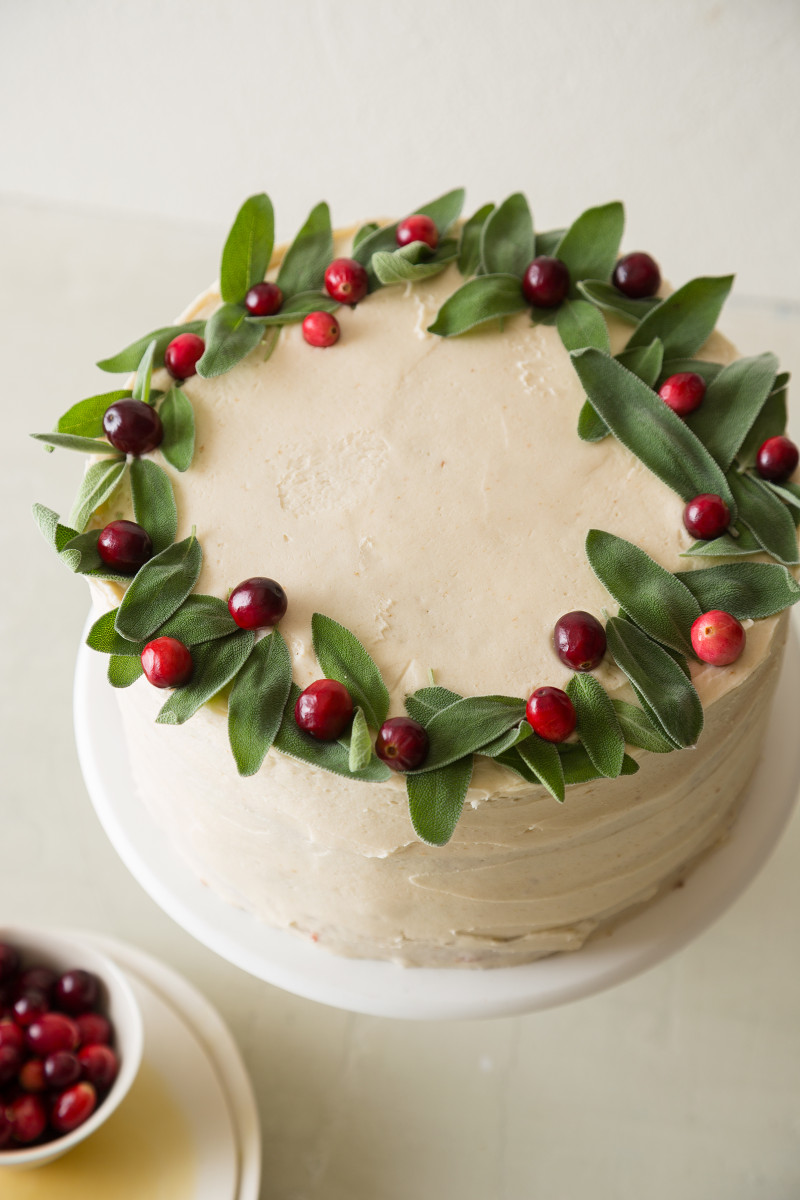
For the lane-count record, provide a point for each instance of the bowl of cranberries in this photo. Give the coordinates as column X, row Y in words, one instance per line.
column 70, row 1043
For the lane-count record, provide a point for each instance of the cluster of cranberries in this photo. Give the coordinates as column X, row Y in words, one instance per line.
column 325, row 709
column 56, row 1060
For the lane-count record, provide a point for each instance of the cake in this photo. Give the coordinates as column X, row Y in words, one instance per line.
column 475, row 455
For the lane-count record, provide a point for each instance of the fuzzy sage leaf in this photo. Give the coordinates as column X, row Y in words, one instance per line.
column 580, row 324
column 154, row 502
column 97, row 485
column 303, row 265
column 123, row 671
column 257, row 701
column 342, row 656
column 732, row 402
column 360, row 745
column 767, row 518
column 658, row 679
column 465, row 726
column 685, row 320
column 177, row 417
column 296, row 308
column 248, row 249
column 435, row 800
column 605, row 296
column 748, row 591
column 641, row 730
column 589, row 247
column 329, row 756
column 83, row 445
column 726, row 546
column 128, row 359
column 507, row 241
column 229, row 338
column 543, row 759
column 422, row 705
column 215, row 664
column 144, row 374
column 413, row 263
column 85, row 419
column 484, row 298
column 579, row 768
column 469, row 246
column 598, row 727
column 159, row 589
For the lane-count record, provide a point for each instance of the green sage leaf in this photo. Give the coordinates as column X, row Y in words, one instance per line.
column 732, row 402
column 436, row 800
column 512, row 760
column 257, row 701
column 685, row 320
column 154, row 502
column 425, row 703
column 644, row 361
column 158, row 589
column 543, row 759
column 342, row 656
column 72, row 441
column 128, row 359
column 469, row 246
column 725, row 546
column 506, row 741
column 605, row 296
column 144, row 374
column 789, row 492
column 598, row 727
column 122, row 672
column 591, row 427
column 229, row 338
column 296, row 308
column 85, row 419
column 444, row 211
column 767, row 518
column 215, row 664
column 304, row 263
column 676, row 366
column 639, row 729
column 748, row 591
column 579, row 768
column 199, row 619
column 658, row 679
column 462, row 727
column 104, row 638
column 413, row 263
column 590, row 246
column 770, row 422
column 248, row 249
column 506, row 246
column 98, row 483
column 329, row 756
column 177, row 417
column 484, row 298
column 80, row 554
column 547, row 242
column 580, row 324
column 364, row 232
column 360, row 744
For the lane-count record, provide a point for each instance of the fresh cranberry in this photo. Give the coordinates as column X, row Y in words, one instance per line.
column 718, row 638
column 167, row 663
column 50, row 1033
column 263, row 299
column 31, row 1076
column 99, row 1065
column 417, row 229
column 777, row 459
column 6, row 1128
column 11, row 1035
column 346, row 280
column 183, row 354
column 324, row 709
column 637, row 275
column 133, row 426
column 580, row 640
column 30, row 1006
column 10, row 1063
column 257, row 603
column 321, row 329
column 707, row 516
column 125, row 546
column 72, row 1107
column 545, row 282
column 40, row 979
column 28, row 1118
column 402, row 744
column 551, row 714
column 9, row 961
column 61, row 1069
column 93, row 1029
column 77, row 992
column 683, row 393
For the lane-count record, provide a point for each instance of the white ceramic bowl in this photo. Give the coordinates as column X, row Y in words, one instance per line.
column 62, row 952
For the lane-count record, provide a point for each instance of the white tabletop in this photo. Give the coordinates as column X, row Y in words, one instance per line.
column 682, row 1083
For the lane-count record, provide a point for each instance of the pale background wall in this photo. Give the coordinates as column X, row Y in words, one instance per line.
column 689, row 110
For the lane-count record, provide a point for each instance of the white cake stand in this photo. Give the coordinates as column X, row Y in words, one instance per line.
column 383, row 989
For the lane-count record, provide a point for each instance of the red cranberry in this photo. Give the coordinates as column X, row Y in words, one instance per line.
column 133, row 426
column 73, row 1107
column 28, row 1118
column 545, row 282
column 324, row 709
column 125, row 546
column 31, row 1076
column 718, row 638
column 11, row 1035
column 61, row 1069
column 93, row 1029
column 167, row 663
column 30, row 1007
column 683, row 393
column 777, row 459
column 183, row 354
column 39, row 979
column 50, row 1033
column 402, row 744
column 346, row 280
column 580, row 640
column 10, row 1063
column 707, row 516
column 257, row 603
column 6, row 1129
column 637, row 275
column 99, row 1065
column 321, row 329
column 551, row 714
column 263, row 299
column 9, row 961
column 417, row 229
column 77, row 992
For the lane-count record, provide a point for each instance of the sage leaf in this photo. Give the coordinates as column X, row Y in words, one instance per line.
column 229, row 338
column 80, row 554
column 383, row 237
column 640, row 730
column 512, row 760
column 484, row 298
column 144, row 374
column 215, row 664
column 128, row 359
column 547, row 242
column 789, row 492
column 304, row 263
column 462, row 727
column 767, row 518
column 72, row 441
column 296, row 308
column 413, row 263
column 342, row 656
column 104, row 638
column 425, row 703
column 123, row 671
column 177, row 417
column 641, row 420
column 154, row 502
column 606, row 296
column 644, row 361
column 85, row 419
column 732, row 402
column 658, row 679
column 579, row 768
column 506, row 741
column 47, row 521
column 589, row 247
column 364, row 232
column 469, row 246
column 543, row 759
column 436, row 800
column 158, row 589
column 591, row 427
column 580, row 324
column 770, row 422
column 676, row 366
column 444, row 211
column 98, row 483
column 329, row 756
column 257, row 701
column 748, row 591
column 507, row 241
column 199, row 619
column 360, row 746
column 248, row 249
column 598, row 727
column 653, row 597
column 685, row 320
